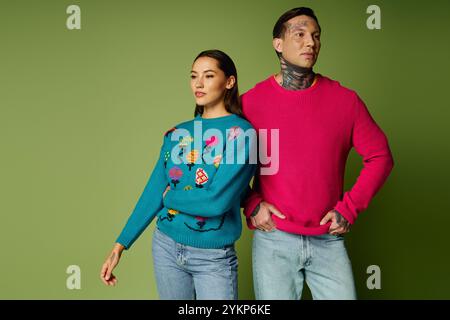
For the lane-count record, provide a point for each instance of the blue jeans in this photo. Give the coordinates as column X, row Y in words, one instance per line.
column 282, row 262
column 186, row 273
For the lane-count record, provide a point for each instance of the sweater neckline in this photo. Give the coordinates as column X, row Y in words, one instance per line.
column 279, row 88
column 216, row 119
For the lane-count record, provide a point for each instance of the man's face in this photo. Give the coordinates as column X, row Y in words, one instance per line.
column 300, row 44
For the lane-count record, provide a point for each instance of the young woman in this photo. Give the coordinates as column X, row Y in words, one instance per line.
column 195, row 191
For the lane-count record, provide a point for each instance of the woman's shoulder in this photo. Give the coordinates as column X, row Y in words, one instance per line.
column 182, row 125
column 243, row 123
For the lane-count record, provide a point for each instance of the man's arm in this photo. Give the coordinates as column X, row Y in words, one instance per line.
column 371, row 143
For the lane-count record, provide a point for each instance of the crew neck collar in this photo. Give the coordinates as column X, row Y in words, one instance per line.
column 227, row 117
column 280, row 88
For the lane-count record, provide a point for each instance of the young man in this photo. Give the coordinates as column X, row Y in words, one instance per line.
column 300, row 213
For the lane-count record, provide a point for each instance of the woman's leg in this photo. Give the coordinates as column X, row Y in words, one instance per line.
column 173, row 280
column 215, row 272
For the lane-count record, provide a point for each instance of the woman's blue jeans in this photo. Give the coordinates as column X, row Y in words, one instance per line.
column 186, row 273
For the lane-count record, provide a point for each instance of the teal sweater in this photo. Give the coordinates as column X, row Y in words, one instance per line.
column 208, row 164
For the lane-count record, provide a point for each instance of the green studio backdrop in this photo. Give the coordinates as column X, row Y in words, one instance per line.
column 83, row 112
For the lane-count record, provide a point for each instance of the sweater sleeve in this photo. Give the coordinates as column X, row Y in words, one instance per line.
column 371, row 144
column 252, row 198
column 224, row 191
column 148, row 205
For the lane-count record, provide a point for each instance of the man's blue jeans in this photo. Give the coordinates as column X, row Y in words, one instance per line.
column 282, row 262
column 185, row 273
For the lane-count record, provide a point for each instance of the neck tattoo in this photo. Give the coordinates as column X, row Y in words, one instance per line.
column 295, row 77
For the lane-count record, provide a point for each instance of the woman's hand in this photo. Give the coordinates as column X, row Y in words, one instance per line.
column 111, row 262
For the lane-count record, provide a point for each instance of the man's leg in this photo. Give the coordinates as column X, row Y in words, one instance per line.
column 277, row 265
column 328, row 271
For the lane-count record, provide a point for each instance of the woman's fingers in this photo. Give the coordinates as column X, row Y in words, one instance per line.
column 104, row 272
column 112, row 280
column 111, row 262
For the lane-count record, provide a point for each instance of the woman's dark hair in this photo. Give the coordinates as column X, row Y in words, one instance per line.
column 280, row 28
column 224, row 62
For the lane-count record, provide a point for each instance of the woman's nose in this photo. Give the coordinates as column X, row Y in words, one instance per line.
column 199, row 84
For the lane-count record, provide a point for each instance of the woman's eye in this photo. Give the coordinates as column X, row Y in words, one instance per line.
column 192, row 77
column 210, row 76
column 300, row 34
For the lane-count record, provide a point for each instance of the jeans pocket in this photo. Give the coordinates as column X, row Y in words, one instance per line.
column 333, row 239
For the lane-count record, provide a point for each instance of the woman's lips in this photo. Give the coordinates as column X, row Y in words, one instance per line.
column 199, row 94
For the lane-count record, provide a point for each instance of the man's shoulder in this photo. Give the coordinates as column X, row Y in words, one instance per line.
column 260, row 87
column 337, row 87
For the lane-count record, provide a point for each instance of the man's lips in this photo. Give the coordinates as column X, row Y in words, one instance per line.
column 308, row 54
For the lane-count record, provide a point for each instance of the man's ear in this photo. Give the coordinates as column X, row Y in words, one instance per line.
column 230, row 82
column 278, row 44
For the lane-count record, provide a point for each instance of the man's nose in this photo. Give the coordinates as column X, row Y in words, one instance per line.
column 309, row 41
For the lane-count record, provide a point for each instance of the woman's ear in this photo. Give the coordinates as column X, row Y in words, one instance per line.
column 278, row 44
column 231, row 81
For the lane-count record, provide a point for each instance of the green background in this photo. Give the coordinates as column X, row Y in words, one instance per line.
column 83, row 111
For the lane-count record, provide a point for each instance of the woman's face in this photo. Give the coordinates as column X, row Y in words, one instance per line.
column 208, row 82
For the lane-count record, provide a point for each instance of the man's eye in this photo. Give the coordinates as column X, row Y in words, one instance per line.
column 210, row 76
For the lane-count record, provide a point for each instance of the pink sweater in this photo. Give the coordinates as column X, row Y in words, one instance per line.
column 318, row 127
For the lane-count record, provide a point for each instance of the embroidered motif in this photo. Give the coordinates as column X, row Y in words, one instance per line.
column 183, row 143
column 205, row 223
column 191, row 157
column 171, row 213
column 209, row 144
column 217, row 160
column 201, row 177
column 234, row 132
column 166, row 157
column 188, row 187
column 175, row 174
column 169, row 131
column 201, row 221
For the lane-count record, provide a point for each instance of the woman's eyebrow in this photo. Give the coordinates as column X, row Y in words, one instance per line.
column 209, row 70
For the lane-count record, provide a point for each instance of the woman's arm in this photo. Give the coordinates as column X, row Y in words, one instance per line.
column 148, row 205
column 111, row 262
